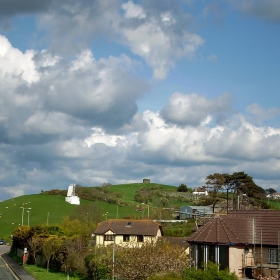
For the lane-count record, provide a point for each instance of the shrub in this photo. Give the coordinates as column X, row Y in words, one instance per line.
column 211, row 272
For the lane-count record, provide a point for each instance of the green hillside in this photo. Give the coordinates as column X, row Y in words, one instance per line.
column 46, row 208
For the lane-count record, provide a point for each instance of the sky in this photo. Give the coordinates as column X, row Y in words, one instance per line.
column 95, row 91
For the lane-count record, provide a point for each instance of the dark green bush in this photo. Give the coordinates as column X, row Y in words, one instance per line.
column 211, row 272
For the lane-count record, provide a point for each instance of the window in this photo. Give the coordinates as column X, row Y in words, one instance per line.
column 223, row 257
column 202, row 254
column 140, row 238
column 108, row 237
column 126, row 238
column 273, row 255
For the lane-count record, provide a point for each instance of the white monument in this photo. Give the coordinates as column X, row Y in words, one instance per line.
column 72, row 198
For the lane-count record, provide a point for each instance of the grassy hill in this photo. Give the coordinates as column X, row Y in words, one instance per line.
column 51, row 209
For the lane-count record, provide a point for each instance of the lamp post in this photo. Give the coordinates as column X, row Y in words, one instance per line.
column 28, row 212
column 106, row 215
column 148, row 209
column 22, row 214
column 114, row 247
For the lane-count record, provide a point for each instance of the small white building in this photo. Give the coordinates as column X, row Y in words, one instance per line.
column 72, row 197
column 200, row 191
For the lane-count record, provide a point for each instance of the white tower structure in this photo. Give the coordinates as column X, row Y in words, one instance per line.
column 72, row 198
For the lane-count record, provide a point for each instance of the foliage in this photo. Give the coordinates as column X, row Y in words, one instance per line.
column 99, row 263
column 211, row 272
column 182, row 188
column 50, row 247
column 34, row 245
column 178, row 229
column 238, row 183
column 169, row 276
column 20, row 234
column 72, row 256
column 215, row 183
column 140, row 263
column 270, row 191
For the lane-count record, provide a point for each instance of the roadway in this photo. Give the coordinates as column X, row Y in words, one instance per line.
column 5, row 270
column 9, row 269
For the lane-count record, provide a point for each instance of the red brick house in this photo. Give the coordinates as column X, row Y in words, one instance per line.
column 246, row 242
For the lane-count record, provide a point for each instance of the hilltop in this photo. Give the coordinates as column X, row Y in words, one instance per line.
column 115, row 201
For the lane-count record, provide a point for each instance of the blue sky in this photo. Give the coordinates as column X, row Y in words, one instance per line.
column 117, row 91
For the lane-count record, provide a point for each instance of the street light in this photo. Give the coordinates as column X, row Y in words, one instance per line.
column 114, row 247
column 28, row 212
column 106, row 215
column 148, row 209
column 23, row 214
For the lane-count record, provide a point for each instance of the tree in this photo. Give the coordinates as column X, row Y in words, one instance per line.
column 140, row 263
column 270, row 191
column 74, row 254
column 51, row 246
column 34, row 244
column 182, row 188
column 215, row 184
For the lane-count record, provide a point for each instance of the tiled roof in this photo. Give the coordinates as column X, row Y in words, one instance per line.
column 131, row 227
column 238, row 226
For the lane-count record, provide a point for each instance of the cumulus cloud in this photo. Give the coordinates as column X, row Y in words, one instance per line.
column 195, row 110
column 43, row 90
column 152, row 37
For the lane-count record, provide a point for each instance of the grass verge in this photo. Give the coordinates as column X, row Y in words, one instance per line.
column 41, row 273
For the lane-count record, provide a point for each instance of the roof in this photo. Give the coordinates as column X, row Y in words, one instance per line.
column 238, row 227
column 131, row 227
column 201, row 189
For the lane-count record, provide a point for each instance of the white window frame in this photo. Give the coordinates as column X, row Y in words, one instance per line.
column 273, row 255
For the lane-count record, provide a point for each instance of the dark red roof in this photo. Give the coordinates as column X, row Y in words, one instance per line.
column 238, row 227
column 131, row 227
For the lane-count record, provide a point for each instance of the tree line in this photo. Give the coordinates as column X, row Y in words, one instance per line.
column 237, row 184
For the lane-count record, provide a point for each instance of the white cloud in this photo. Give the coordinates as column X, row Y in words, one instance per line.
column 133, row 10
column 153, row 40
column 158, row 36
column 14, row 63
column 192, row 109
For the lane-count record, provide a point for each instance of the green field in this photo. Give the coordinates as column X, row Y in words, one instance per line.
column 52, row 209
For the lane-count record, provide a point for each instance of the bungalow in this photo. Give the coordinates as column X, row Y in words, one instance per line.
column 246, row 242
column 129, row 232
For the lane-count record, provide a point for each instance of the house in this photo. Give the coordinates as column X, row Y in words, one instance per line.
column 274, row 196
column 129, row 232
column 246, row 242
column 188, row 211
column 200, row 191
